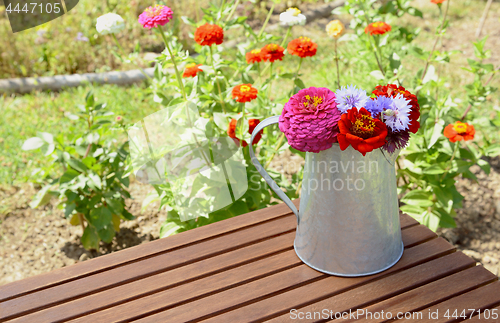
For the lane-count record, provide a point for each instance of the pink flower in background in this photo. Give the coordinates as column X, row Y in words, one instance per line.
column 155, row 16
column 309, row 120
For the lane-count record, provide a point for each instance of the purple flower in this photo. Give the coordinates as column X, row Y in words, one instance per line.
column 80, row 37
column 396, row 140
column 375, row 107
column 397, row 117
column 309, row 120
column 349, row 97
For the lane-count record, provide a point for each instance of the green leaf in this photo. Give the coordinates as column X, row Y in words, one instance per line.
column 299, row 83
column 169, row 228
column 47, row 137
column 115, row 205
column 47, row 149
column 107, row 233
column 221, row 120
column 90, row 239
column 436, row 133
column 377, row 75
column 418, row 198
column 127, row 215
column 485, row 166
column 492, row 151
column 431, row 220
column 32, row 143
column 100, row 217
column 68, row 210
column 43, row 197
column 434, row 170
column 78, row 165
column 68, row 176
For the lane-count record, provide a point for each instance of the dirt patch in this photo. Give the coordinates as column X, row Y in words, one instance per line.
column 34, row 241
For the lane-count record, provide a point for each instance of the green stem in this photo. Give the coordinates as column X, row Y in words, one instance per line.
column 269, row 14
column 150, row 147
column 337, row 63
column 233, row 10
column 276, row 150
column 220, row 12
column 288, row 32
column 451, row 160
column 270, row 83
column 377, row 53
column 216, row 80
column 177, row 74
column 296, row 76
column 242, row 123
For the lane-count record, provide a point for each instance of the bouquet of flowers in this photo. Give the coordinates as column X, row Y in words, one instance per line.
column 315, row 118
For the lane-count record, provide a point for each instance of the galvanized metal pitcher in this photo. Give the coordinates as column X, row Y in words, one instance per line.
column 348, row 219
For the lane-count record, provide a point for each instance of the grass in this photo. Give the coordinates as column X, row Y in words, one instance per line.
column 24, row 115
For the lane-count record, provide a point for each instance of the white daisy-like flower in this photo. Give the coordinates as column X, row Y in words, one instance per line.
column 350, row 97
column 292, row 17
column 110, row 23
column 397, row 116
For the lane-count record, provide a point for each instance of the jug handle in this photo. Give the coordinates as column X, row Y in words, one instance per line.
column 267, row 122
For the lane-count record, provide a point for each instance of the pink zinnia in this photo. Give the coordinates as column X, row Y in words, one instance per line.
column 309, row 120
column 155, row 16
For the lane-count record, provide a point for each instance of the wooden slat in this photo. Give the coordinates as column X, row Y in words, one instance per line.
column 129, row 255
column 266, row 288
column 344, row 300
column 489, row 316
column 417, row 234
column 149, row 266
column 407, row 221
column 216, row 271
column 478, row 299
column 428, row 295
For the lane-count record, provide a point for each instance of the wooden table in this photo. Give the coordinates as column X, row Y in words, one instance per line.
column 245, row 269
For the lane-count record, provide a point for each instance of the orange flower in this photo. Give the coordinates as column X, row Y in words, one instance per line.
column 459, row 131
column 253, row 56
column 252, row 123
column 272, row 52
column 438, row 1
column 302, row 47
column 244, row 93
column 208, row 34
column 377, row 28
column 191, row 70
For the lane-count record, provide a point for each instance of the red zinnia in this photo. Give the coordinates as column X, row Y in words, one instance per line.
column 191, row 70
column 377, row 28
column 253, row 56
column 252, row 123
column 244, row 93
column 208, row 34
column 392, row 90
column 361, row 131
column 459, row 131
column 438, row 1
column 302, row 47
column 272, row 52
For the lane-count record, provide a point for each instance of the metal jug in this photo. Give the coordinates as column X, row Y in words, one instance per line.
column 348, row 219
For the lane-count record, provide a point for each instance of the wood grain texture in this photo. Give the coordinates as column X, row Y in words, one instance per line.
column 478, row 299
column 144, row 251
column 430, row 294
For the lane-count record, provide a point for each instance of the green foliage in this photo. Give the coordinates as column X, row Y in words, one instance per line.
column 92, row 185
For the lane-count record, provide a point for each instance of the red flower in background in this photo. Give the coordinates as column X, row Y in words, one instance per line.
column 208, row 34
column 438, row 1
column 244, row 93
column 192, row 70
column 252, row 123
column 272, row 53
column 377, row 28
column 459, row 131
column 253, row 56
column 302, row 47
column 392, row 90
column 361, row 131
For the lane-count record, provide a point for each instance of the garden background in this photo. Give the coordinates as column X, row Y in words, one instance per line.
column 36, row 240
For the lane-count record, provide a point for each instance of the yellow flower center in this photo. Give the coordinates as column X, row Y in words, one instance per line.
column 314, row 101
column 460, row 127
column 305, row 39
column 190, row 65
column 378, row 24
column 154, row 11
column 363, row 126
column 294, row 11
column 255, row 51
column 245, row 88
column 272, row 47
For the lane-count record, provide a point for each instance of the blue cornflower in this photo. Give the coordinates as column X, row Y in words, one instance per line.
column 397, row 117
column 380, row 104
column 349, row 97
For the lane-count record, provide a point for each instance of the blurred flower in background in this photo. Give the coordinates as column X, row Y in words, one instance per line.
column 80, row 37
column 335, row 29
column 158, row 15
column 110, row 23
column 291, row 17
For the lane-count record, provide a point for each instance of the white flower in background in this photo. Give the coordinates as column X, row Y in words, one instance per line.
column 110, row 23
column 291, row 17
